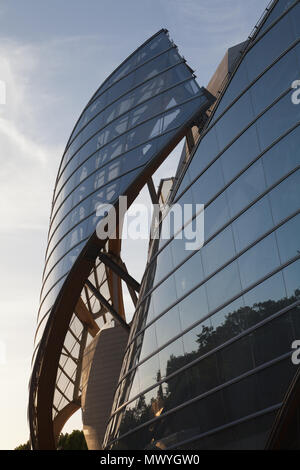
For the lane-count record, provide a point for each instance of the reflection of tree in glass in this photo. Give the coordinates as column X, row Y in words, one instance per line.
column 174, row 391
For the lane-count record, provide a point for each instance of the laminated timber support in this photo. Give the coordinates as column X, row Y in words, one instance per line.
column 107, row 305
column 86, row 318
column 63, row 416
column 119, row 269
column 47, row 360
column 152, row 192
column 76, row 391
column 190, row 140
column 131, row 290
column 114, row 281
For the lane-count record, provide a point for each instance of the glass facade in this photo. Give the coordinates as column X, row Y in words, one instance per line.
column 209, row 354
column 119, row 132
column 140, row 111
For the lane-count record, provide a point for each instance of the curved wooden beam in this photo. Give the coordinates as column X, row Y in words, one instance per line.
column 62, row 417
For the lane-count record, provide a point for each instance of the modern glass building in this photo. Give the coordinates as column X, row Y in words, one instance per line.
column 206, row 361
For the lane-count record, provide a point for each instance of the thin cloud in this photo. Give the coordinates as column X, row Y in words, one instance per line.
column 26, row 147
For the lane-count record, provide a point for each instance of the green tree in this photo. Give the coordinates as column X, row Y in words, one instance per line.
column 73, row 441
column 23, row 446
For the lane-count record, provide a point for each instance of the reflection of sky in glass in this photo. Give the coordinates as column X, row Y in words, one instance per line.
column 251, row 233
column 132, row 117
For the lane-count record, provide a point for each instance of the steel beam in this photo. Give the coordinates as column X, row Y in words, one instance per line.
column 130, row 281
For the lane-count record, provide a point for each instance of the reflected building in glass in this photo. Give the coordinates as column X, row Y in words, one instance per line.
column 206, row 362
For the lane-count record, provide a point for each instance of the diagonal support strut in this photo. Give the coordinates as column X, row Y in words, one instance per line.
column 107, row 305
column 120, row 272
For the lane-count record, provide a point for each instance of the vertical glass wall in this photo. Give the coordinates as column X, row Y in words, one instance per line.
column 209, row 356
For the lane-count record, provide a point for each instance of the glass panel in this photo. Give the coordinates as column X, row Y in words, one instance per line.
column 171, row 357
column 176, row 390
column 198, row 341
column 285, row 198
column 234, row 120
column 252, row 223
column 168, row 326
column 259, row 261
column 164, row 264
column 269, row 48
column 149, row 372
column 193, row 308
column 288, row 237
column 177, row 217
column 240, row 154
column 265, row 299
column 189, row 275
column 132, row 386
column 208, row 184
column 235, row 359
column 163, row 296
column 217, row 252
column 206, row 151
column 211, row 412
column 295, row 18
column 203, row 376
column 275, row 81
column 223, row 286
column 295, row 316
column 272, row 340
column 150, row 69
column 280, row 7
column 238, row 83
column 149, row 341
column 252, row 434
column 292, row 280
column 241, row 398
column 228, row 322
column 248, row 187
column 283, row 115
column 282, row 158
column 178, row 249
column 215, row 215
column 271, row 390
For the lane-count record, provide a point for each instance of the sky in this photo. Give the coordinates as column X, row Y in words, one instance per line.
column 53, row 56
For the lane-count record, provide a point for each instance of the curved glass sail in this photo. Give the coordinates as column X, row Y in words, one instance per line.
column 139, row 112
